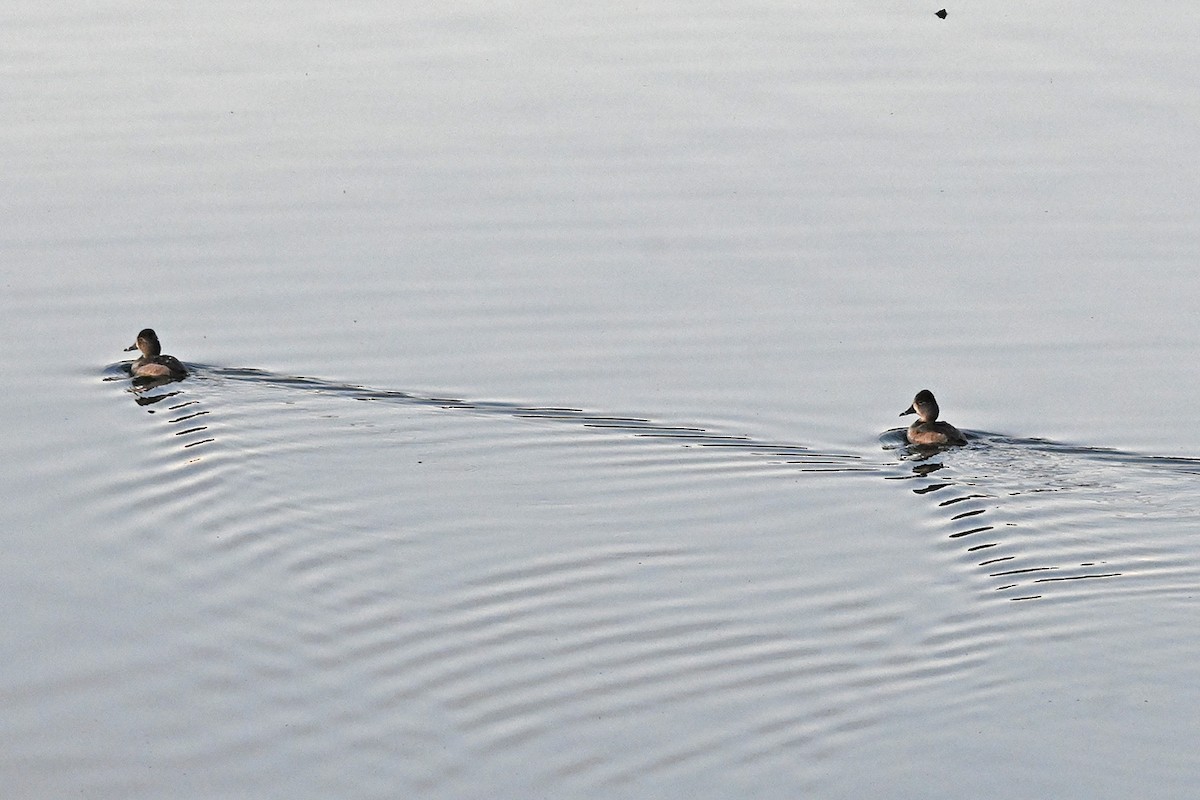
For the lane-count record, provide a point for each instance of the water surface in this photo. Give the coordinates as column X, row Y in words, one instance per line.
column 542, row 433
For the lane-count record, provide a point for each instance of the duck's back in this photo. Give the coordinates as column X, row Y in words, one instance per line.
column 935, row 432
column 159, row 367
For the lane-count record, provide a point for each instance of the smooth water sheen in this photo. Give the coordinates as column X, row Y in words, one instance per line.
column 542, row 435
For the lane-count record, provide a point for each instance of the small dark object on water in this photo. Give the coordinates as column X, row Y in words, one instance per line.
column 941, row 13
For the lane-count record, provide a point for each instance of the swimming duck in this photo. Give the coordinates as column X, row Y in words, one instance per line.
column 153, row 364
column 927, row 430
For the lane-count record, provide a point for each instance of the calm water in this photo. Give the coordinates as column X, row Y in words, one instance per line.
column 542, row 437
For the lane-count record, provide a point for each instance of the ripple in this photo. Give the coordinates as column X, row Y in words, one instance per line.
column 1044, row 518
column 611, row 601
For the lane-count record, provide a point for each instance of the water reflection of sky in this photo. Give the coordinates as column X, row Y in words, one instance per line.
column 604, row 310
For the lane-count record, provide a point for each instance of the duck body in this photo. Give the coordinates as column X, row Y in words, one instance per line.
column 152, row 363
column 928, row 431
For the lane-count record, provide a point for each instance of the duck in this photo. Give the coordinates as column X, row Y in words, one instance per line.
column 153, row 364
column 928, row 430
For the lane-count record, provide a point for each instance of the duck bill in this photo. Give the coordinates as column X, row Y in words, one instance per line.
column 131, row 347
column 911, row 410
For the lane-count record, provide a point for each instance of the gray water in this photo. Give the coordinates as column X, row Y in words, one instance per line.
column 541, row 438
